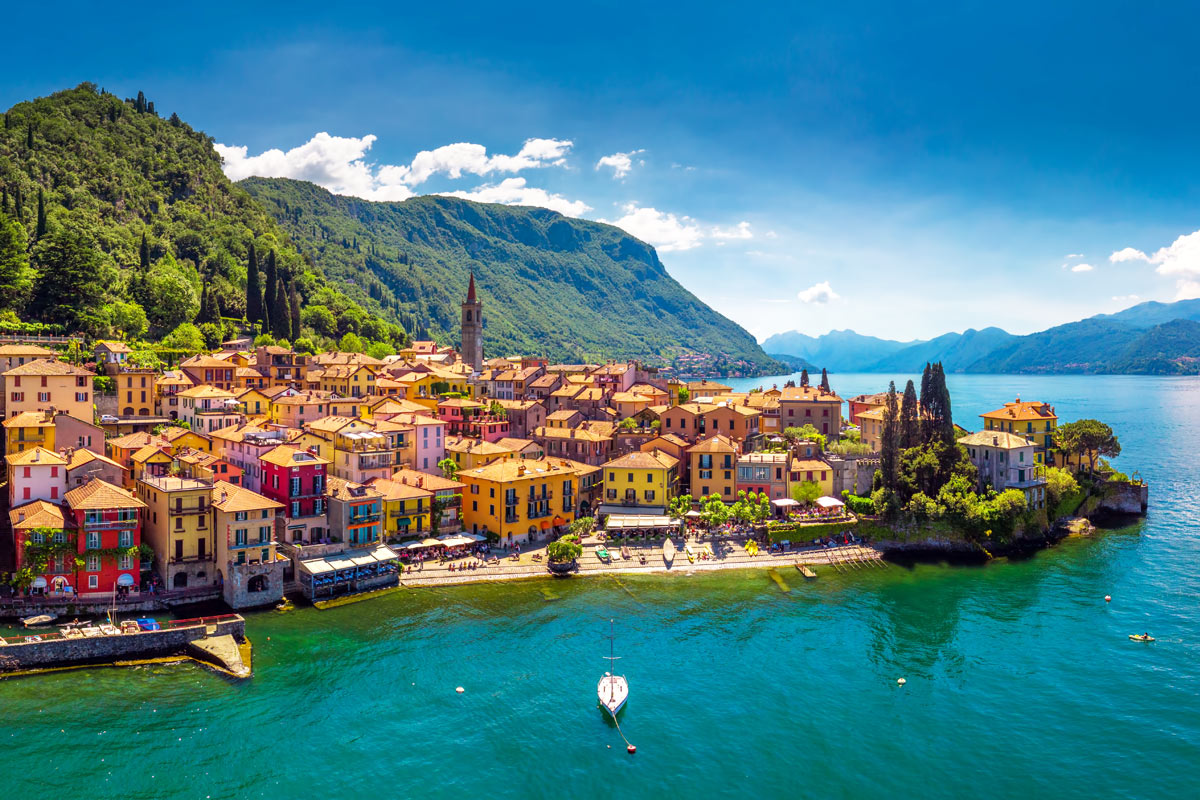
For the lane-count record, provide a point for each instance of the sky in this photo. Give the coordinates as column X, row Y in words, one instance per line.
column 901, row 171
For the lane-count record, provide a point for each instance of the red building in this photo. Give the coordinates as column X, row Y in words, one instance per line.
column 296, row 478
column 102, row 526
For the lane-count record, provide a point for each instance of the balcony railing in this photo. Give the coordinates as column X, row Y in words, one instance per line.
column 107, row 524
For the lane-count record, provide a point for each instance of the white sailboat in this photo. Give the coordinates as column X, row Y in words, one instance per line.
column 612, row 690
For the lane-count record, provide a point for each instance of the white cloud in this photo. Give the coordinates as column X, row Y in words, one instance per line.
column 1128, row 254
column 667, row 232
column 1073, row 255
column 820, row 293
column 1180, row 260
column 1082, row 268
column 339, row 164
column 772, row 235
column 621, row 163
column 514, row 192
column 739, row 231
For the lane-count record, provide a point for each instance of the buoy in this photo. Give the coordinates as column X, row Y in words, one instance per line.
column 460, row 690
column 1108, row 598
column 901, row 681
column 632, row 748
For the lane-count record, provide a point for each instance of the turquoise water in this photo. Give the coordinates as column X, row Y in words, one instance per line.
column 1021, row 681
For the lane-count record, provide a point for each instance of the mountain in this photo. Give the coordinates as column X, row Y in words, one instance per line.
column 837, row 350
column 569, row 289
column 119, row 223
column 956, row 351
column 1149, row 338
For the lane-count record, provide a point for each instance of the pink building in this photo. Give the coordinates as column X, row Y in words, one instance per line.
column 36, row 474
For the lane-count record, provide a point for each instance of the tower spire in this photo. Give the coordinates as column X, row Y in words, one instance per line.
column 471, row 288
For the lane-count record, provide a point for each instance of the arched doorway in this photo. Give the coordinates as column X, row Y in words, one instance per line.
column 258, row 583
column 127, row 412
column 180, row 580
column 585, row 509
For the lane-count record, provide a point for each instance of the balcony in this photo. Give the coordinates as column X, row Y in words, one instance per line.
column 109, row 524
column 190, row 559
column 187, row 511
column 366, row 519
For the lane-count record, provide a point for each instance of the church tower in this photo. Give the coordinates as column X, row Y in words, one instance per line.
column 472, row 329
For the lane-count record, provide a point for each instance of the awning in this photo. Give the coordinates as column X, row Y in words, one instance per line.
column 606, row 510
column 616, row 522
column 784, row 502
column 39, row 582
column 125, row 579
column 349, row 560
column 829, row 502
column 455, row 540
column 693, row 514
column 423, row 545
column 478, row 537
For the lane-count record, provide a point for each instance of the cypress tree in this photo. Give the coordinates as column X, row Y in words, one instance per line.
column 4, row 200
column 294, row 302
column 910, row 427
column 144, row 254
column 926, row 401
column 18, row 206
column 804, row 377
column 889, row 447
column 825, row 379
column 29, row 136
column 254, row 296
column 41, row 217
column 945, row 415
column 272, row 277
column 281, row 315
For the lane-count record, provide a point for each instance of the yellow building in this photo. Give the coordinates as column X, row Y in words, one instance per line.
column 712, row 468
column 347, row 380
column 135, row 392
column 250, row 569
column 521, row 500
column 255, row 402
column 811, row 470
column 177, row 527
column 45, row 383
column 27, row 430
column 1032, row 420
column 640, row 483
column 870, row 427
column 470, row 453
column 182, row 437
column 406, row 509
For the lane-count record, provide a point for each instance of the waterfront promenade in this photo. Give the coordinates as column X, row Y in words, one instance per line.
column 727, row 554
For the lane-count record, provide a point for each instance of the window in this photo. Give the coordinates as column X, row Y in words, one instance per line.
column 125, row 539
column 124, row 561
column 649, row 494
column 18, row 397
column 93, row 541
column 93, row 581
column 81, row 397
column 93, row 563
column 43, row 397
column 649, row 477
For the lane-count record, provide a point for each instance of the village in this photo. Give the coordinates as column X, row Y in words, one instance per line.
column 255, row 472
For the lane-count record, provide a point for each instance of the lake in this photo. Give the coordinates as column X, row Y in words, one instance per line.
column 1021, row 680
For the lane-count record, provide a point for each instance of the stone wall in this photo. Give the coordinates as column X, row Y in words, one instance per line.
column 1124, row 498
column 236, row 589
column 104, row 649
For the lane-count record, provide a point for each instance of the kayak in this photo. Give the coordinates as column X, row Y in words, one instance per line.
column 1137, row 637
column 691, row 554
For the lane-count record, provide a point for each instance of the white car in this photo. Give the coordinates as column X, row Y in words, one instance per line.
column 108, row 419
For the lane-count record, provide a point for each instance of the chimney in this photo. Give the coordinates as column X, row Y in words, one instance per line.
column 995, row 441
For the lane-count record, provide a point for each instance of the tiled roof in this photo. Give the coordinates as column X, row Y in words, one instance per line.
column 642, row 460
column 1017, row 410
column 396, row 490
column 522, row 469
column 97, row 494
column 204, row 390
column 29, row 419
column 807, row 394
column 350, row 491
column 38, row 514
column 228, row 497
column 49, row 367
column 37, row 456
column 83, row 456
column 714, row 444
column 432, row 482
column 285, row 456
column 1001, row 439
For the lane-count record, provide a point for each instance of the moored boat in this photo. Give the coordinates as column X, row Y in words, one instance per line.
column 613, row 689
column 602, row 552
column 38, row 619
column 668, row 551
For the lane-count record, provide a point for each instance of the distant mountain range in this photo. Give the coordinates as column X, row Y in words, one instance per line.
column 1149, row 338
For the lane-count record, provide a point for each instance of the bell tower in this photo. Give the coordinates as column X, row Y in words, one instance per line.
column 472, row 328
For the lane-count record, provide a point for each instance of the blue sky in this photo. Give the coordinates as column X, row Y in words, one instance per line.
column 798, row 167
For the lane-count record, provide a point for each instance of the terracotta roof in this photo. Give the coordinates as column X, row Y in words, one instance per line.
column 515, row 444
column 432, row 482
column 228, row 497
column 115, row 347
column 714, row 444
column 149, row 451
column 97, row 494
column 204, row 390
column 25, row 350
column 562, row 413
column 807, row 394
column 137, row 439
column 173, row 432
column 799, row 464
column 643, row 460
column 285, row 456
column 38, row 514
column 29, row 419
column 523, row 469
column 46, row 366
column 465, row 444
column 397, row 490
column 332, row 424
column 350, row 491
column 583, row 434
column 37, row 456
column 1016, row 410
column 83, row 456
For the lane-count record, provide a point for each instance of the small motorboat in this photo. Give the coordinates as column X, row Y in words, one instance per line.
column 691, row 554
column 602, row 553
column 668, row 551
column 38, row 619
column 148, row 624
column 626, row 553
column 1141, row 637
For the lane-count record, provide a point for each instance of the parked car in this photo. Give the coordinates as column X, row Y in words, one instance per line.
column 108, row 419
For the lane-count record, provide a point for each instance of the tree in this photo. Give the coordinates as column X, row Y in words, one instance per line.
column 926, row 399
column 320, row 319
column 170, row 299
column 281, row 312
column 805, row 493
column 804, row 377
column 713, row 511
column 449, row 468
column 144, row 254
column 254, row 295
column 71, row 277
column 41, row 216
column 16, row 276
column 889, row 454
column 185, row 337
column 825, row 380
column 582, row 526
column 1087, row 438
column 128, row 319
column 684, row 395
column 910, row 427
column 679, row 506
column 380, row 350
column 1059, row 484
column 294, row 307
column 350, row 343
column 563, row 551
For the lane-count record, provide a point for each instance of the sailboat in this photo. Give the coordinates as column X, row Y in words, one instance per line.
column 612, row 689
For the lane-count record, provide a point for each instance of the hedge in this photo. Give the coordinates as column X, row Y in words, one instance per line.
column 804, row 533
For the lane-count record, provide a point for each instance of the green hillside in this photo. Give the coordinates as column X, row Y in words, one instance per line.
column 566, row 288
column 117, row 222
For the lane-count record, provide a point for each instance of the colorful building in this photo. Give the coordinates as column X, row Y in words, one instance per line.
column 640, row 483
column 1007, row 461
column 811, row 405
column 1032, row 420
column 764, row 473
column 177, row 527
column 406, row 509
column 44, row 383
column 106, row 517
column 712, row 468
column 249, row 568
column 522, row 501
column 297, row 479
column 355, row 512
column 36, row 474
column 447, row 493
column 208, row 408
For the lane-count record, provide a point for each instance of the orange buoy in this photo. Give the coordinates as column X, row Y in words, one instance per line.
column 632, row 748
column 1108, row 598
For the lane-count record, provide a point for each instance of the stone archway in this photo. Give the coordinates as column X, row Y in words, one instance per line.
column 180, row 580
